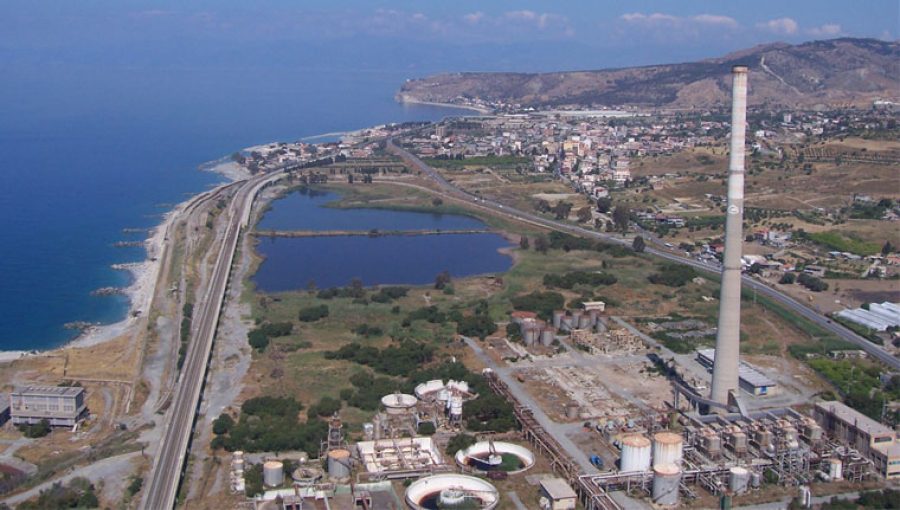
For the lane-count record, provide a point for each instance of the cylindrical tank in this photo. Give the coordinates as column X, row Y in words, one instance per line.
column 595, row 316
column 237, row 465
column 755, row 479
column 456, row 407
column 547, row 337
column 273, row 473
column 339, row 464
column 668, row 448
column 835, row 469
column 238, row 454
column 576, row 318
column 635, row 453
column 572, row 411
column 530, row 336
column 557, row 318
column 666, row 478
column 566, row 323
column 239, row 485
column 738, row 479
column 584, row 322
column 369, row 431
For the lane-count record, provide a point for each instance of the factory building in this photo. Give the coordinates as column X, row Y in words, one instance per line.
column 750, row 379
column 872, row 439
column 61, row 406
column 558, row 493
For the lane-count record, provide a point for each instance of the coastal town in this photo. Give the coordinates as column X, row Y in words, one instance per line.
column 560, row 305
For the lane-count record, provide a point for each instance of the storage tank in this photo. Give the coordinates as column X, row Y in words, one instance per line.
column 668, row 448
column 557, row 318
column 835, row 469
column 273, row 473
column 339, row 463
column 547, row 337
column 449, row 490
column 456, row 408
column 576, row 318
column 572, row 411
column 635, row 453
column 666, row 479
column 237, row 465
column 369, row 431
column 530, row 336
column 755, row 479
column 595, row 317
column 738, row 479
column 584, row 322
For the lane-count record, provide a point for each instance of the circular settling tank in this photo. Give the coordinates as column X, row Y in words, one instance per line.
column 398, row 403
column 487, row 456
column 450, row 491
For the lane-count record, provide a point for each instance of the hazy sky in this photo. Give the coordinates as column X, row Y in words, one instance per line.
column 418, row 36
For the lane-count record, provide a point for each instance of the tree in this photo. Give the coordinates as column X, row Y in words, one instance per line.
column 787, row 278
column 562, row 210
column 604, row 204
column 584, row 214
column 541, row 245
column 638, row 244
column 621, row 217
column 223, row 424
column 524, row 243
column 459, row 442
column 437, row 202
column 888, row 248
column 441, row 280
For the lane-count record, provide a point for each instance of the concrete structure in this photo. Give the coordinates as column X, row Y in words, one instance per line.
column 635, row 454
column 452, row 489
column 399, row 455
column 873, row 440
column 725, row 370
column 738, row 480
column 61, row 406
column 666, row 479
column 4, row 409
column 399, row 403
column 559, row 493
column 750, row 379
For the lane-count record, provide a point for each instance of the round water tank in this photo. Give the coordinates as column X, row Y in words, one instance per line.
column 755, row 479
column 547, row 337
column 273, row 473
column 635, row 453
column 835, row 468
column 584, row 322
column 530, row 336
column 666, row 478
column 237, row 465
column 368, row 431
column 738, row 479
column 432, row 491
column 398, row 403
column 456, row 407
column 667, row 448
column 339, row 464
column 557, row 318
column 572, row 411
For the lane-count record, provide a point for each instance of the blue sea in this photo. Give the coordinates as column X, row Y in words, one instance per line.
column 85, row 155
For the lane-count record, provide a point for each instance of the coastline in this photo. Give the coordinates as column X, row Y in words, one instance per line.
column 409, row 100
column 144, row 276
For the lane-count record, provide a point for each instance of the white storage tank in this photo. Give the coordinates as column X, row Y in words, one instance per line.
column 635, row 453
column 273, row 473
column 456, row 408
column 738, row 480
column 339, row 464
column 558, row 317
column 835, row 469
column 399, row 403
column 668, row 448
column 666, row 479
column 547, row 337
column 237, row 465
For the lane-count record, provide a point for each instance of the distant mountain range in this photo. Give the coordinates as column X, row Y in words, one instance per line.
column 835, row 72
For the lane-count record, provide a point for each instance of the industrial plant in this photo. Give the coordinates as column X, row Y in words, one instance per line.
column 607, row 418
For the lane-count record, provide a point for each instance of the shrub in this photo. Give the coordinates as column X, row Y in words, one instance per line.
column 787, row 278
column 459, row 442
column 39, row 429
column 812, row 283
column 312, row 313
column 476, row 325
column 673, row 275
column 543, row 303
column 222, row 424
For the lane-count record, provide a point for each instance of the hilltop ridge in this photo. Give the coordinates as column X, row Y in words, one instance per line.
column 836, row 72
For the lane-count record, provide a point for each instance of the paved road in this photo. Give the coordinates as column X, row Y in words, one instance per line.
column 169, row 461
column 747, row 282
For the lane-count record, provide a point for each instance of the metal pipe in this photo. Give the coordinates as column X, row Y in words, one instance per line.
column 725, row 367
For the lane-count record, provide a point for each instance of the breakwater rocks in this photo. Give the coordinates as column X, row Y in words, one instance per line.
column 79, row 325
column 128, row 244
column 108, row 291
column 363, row 233
column 127, row 266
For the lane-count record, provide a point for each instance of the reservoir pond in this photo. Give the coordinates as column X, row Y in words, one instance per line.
column 292, row 263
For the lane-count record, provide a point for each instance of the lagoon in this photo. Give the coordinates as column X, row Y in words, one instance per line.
column 292, row 263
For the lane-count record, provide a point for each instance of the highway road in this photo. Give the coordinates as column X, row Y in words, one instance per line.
column 747, row 282
column 169, row 460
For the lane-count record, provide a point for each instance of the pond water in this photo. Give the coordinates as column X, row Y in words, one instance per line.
column 292, row 263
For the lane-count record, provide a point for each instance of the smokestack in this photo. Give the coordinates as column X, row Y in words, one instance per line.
column 728, row 337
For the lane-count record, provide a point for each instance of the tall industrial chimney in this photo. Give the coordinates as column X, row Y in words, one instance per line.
column 728, row 337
